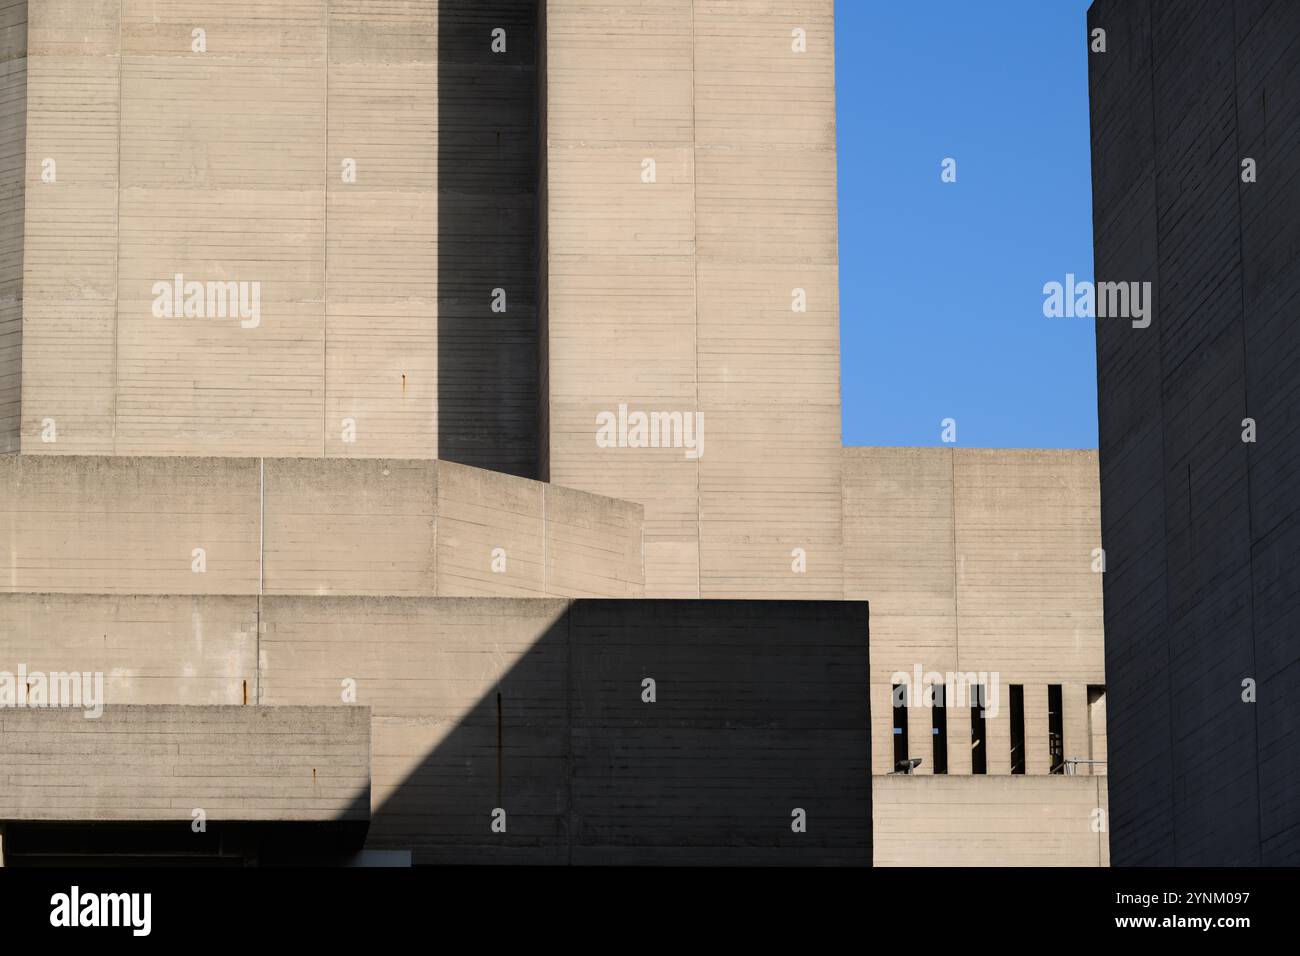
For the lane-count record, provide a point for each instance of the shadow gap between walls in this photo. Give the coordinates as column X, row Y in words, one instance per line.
column 488, row 234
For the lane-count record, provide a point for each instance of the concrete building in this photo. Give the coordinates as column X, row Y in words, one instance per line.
column 473, row 365
column 1194, row 138
column 979, row 564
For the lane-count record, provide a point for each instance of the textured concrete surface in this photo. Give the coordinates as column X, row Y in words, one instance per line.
column 151, row 649
column 978, row 560
column 430, row 671
column 96, row 524
column 379, row 357
column 534, row 706
column 759, row 713
column 377, row 336
column 136, row 763
column 537, row 707
column 1201, row 528
column 678, row 295
column 13, row 137
column 487, row 230
column 129, row 525
column 988, row 821
column 358, row 526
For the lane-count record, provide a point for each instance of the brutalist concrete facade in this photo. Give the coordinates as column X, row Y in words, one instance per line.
column 1197, row 191
column 485, row 236
column 498, row 730
column 13, row 136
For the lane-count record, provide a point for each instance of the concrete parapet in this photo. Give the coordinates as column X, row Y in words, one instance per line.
column 94, row 524
column 164, row 762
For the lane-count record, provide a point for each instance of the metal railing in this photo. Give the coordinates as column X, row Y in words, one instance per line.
column 1072, row 762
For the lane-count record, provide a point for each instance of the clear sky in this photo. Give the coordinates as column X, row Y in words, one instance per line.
column 941, row 284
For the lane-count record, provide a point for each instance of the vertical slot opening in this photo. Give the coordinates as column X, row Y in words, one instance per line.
column 978, row 751
column 1055, row 729
column 1018, row 728
column 1097, row 729
column 900, row 727
column 939, row 728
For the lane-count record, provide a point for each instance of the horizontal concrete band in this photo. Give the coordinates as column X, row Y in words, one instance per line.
column 989, row 820
column 87, row 524
column 163, row 762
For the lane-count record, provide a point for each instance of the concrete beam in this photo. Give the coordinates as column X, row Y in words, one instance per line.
column 986, row 821
column 164, row 762
column 407, row 528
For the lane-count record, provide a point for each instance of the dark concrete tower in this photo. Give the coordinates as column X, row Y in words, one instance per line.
column 1195, row 136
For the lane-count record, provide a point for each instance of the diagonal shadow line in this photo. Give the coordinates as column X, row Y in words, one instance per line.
column 762, row 707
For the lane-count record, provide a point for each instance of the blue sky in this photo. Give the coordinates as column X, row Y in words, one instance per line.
column 941, row 283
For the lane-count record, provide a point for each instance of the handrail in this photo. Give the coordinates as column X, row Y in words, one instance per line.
column 1072, row 762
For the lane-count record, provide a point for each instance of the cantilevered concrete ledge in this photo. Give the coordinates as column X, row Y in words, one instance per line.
column 164, row 762
column 307, row 526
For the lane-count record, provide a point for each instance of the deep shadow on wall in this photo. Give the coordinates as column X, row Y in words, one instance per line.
column 760, row 710
column 488, row 228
